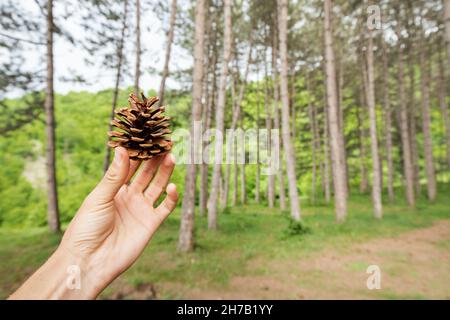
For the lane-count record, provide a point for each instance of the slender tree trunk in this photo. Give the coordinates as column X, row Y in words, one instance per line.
column 337, row 155
column 388, row 125
column 318, row 146
column 52, row 186
column 137, row 72
column 212, row 205
column 117, row 80
column 237, row 101
column 326, row 156
column 243, row 179
column 447, row 26
column 170, row 34
column 376, row 174
column 258, row 168
column 426, row 124
column 312, row 121
column 412, row 120
column 271, row 177
column 207, row 118
column 443, row 106
column 276, row 112
column 342, row 122
column 407, row 161
column 364, row 98
column 289, row 151
column 293, row 107
column 186, row 239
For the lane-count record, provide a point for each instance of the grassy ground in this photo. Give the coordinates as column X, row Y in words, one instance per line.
column 255, row 245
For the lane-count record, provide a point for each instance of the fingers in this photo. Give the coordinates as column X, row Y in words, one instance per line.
column 169, row 203
column 161, row 179
column 146, row 174
column 134, row 165
column 114, row 178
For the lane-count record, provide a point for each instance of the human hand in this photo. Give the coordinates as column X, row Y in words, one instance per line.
column 108, row 233
column 118, row 218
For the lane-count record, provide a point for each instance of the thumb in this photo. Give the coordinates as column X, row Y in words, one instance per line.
column 114, row 178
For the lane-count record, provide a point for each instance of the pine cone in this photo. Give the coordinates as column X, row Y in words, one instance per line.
column 143, row 129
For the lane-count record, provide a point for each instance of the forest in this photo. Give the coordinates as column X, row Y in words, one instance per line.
column 347, row 103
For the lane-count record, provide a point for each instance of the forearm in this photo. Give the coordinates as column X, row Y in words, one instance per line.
column 61, row 277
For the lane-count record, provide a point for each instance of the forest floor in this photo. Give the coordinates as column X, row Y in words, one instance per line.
column 256, row 255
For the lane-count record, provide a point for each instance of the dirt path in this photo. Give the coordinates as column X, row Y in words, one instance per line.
column 413, row 265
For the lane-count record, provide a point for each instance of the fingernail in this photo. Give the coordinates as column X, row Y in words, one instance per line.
column 117, row 155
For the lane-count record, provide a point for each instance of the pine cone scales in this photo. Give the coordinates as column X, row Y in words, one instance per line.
column 143, row 129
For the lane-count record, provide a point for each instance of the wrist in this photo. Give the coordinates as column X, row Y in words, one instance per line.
column 80, row 277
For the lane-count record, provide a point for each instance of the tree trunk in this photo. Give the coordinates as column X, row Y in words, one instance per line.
column 258, row 168
column 220, row 110
column 447, row 26
column 243, row 180
column 170, row 34
column 407, row 161
column 412, row 121
column 137, row 72
column 276, row 112
column 271, row 177
column 207, row 118
column 443, row 106
column 388, row 124
column 186, row 239
column 289, row 151
column 117, row 81
column 337, row 155
column 426, row 124
column 364, row 94
column 342, row 123
column 293, row 107
column 237, row 101
column 376, row 174
column 312, row 121
column 326, row 156
column 52, row 187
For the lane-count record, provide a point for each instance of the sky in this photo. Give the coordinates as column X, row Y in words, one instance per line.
column 69, row 58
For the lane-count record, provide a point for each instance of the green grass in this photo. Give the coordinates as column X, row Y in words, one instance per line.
column 245, row 233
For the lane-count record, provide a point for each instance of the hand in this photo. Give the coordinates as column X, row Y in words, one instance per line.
column 117, row 220
column 110, row 230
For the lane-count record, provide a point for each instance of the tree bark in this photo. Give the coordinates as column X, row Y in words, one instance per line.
column 376, row 174
column 212, row 204
column 243, row 178
column 186, row 239
column 426, row 123
column 407, row 161
column 52, row 187
column 117, row 80
column 237, row 101
column 447, row 26
column 271, row 177
column 412, row 120
column 337, row 155
column 137, row 73
column 326, row 156
column 276, row 112
column 388, row 124
column 342, row 122
column 443, row 106
column 170, row 34
column 289, row 151
column 207, row 117
column 258, row 168
column 364, row 182
column 313, row 130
